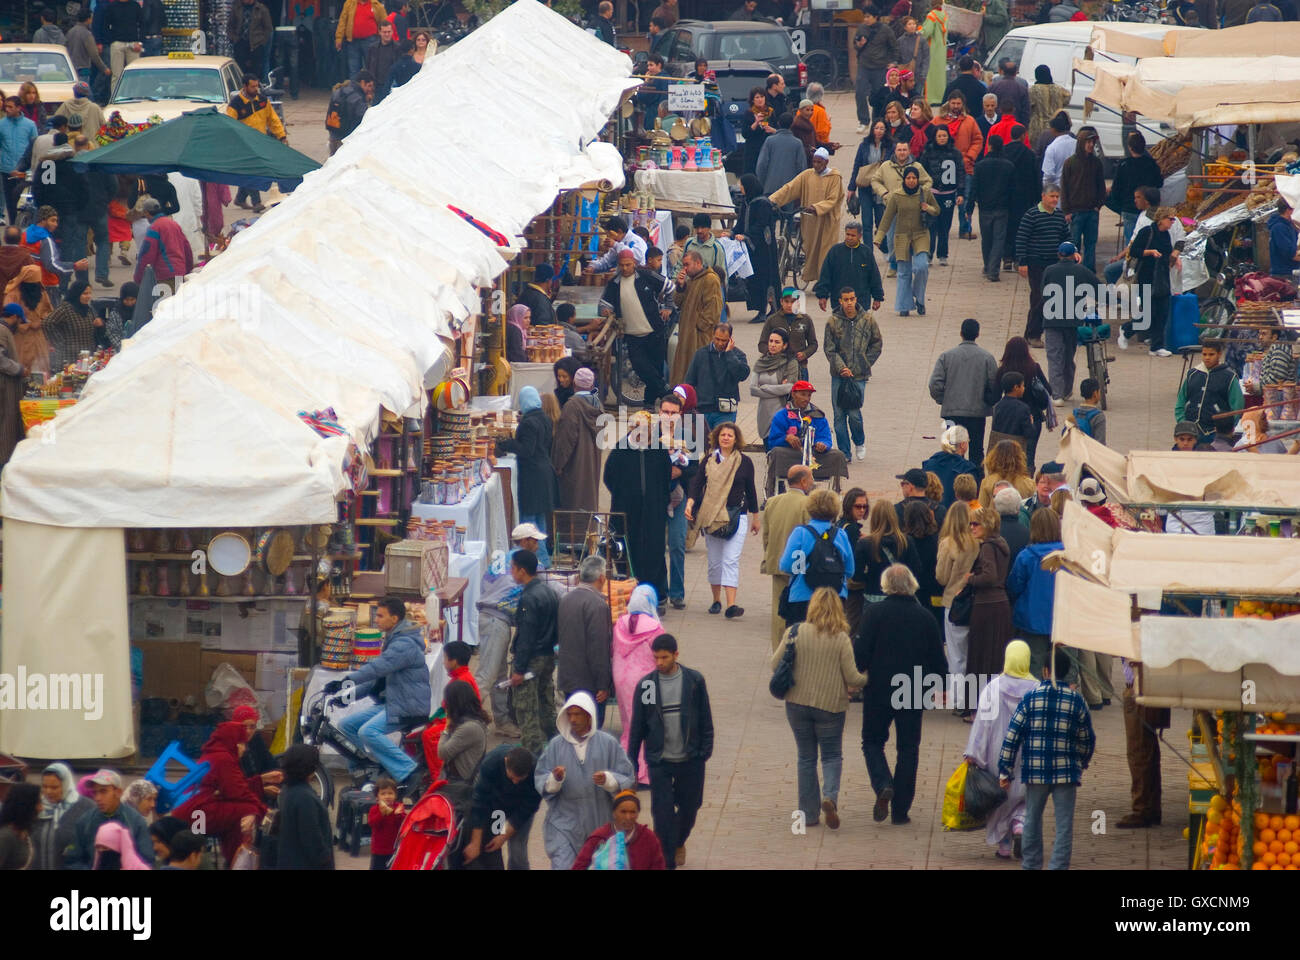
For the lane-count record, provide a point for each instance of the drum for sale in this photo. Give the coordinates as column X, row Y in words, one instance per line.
column 229, row 554
column 274, row 551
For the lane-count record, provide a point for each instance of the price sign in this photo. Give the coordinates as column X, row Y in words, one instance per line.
column 686, row 96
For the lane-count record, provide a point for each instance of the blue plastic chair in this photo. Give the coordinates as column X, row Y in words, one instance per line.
column 172, row 793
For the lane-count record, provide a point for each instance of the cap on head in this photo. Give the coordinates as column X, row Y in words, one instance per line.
column 107, row 778
column 81, row 91
column 626, row 254
column 1067, row 249
column 1185, row 428
column 584, row 378
column 527, row 531
column 822, row 153
column 805, row 103
column 1090, row 491
column 803, row 385
column 916, row 477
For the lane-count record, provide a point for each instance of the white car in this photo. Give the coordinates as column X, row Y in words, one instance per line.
column 169, row 86
column 46, row 65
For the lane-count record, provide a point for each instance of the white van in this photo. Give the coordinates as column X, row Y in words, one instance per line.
column 1057, row 45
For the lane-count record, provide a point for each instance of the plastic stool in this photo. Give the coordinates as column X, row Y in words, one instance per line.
column 172, row 793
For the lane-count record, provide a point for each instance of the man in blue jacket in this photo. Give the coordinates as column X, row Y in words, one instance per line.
column 1282, row 238
column 398, row 681
column 785, row 438
column 17, row 134
column 107, row 786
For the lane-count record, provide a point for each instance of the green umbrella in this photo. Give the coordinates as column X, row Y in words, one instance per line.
column 206, row 145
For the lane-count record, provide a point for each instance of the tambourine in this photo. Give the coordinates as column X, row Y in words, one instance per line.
column 229, row 554
column 274, row 551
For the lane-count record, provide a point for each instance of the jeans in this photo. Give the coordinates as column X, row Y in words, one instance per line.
column 942, row 225
column 1129, row 220
column 1112, row 272
column 369, row 727
column 286, row 57
column 993, row 239
column 869, row 81
column 72, row 244
column 1083, row 233
column 355, row 52
column 912, row 275
column 875, row 734
column 99, row 227
column 677, row 553
column 847, row 421
column 1062, row 343
column 516, row 847
column 676, row 793
column 963, row 211
column 975, row 427
column 646, row 354
column 889, row 242
column 717, row 417
column 1036, row 795
column 543, row 555
column 816, row 730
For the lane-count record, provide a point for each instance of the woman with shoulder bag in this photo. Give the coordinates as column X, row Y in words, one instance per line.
column 723, row 504
column 1038, row 393
column 957, row 552
column 815, row 705
column 990, row 619
column 852, row 521
column 906, row 211
column 876, row 147
column 883, row 545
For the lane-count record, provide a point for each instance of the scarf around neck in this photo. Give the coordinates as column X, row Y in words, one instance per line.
column 719, row 475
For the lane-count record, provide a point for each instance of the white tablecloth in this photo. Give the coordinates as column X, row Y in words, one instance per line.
column 686, row 186
column 470, row 565
column 482, row 514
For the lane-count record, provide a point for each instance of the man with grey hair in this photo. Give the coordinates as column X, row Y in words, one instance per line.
column 1007, row 503
column 585, row 629
column 164, row 248
column 898, row 646
column 821, row 120
column 988, row 116
column 850, row 264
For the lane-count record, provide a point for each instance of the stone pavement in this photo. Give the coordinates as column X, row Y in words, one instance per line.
column 750, row 793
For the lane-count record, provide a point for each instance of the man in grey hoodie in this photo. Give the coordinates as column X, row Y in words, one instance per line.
column 48, row 31
column 782, row 158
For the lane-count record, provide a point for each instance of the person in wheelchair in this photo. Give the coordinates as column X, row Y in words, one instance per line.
column 788, row 441
column 398, row 682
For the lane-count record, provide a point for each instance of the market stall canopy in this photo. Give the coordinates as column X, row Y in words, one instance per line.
column 1248, row 40
column 1225, row 478
column 1210, row 663
column 206, row 145
column 1136, row 39
column 1189, row 92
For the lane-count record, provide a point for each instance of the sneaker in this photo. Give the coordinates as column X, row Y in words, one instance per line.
column 893, row 272
column 715, row 607
column 994, row 279
column 734, row 611
column 861, row 453
column 943, row 261
column 832, row 815
column 881, row 809
column 1036, row 342
column 1058, row 401
column 1162, row 352
column 904, row 313
column 678, row 603
column 1122, row 341
column 862, row 128
column 1069, row 398
column 920, row 309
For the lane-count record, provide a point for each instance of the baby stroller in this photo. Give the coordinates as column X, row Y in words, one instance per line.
column 431, row 832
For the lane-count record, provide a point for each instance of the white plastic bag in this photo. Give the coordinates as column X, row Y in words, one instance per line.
column 227, row 690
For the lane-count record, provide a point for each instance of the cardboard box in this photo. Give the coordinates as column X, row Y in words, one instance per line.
column 172, row 670
column 245, row 663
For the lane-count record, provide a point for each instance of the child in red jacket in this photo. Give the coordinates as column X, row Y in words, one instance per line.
column 385, row 818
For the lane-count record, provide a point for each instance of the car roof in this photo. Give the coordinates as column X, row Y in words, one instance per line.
column 141, row 63
column 731, row 26
column 1080, row 31
column 34, row 48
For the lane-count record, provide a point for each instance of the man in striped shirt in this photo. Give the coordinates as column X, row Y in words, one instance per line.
column 1054, row 729
column 1042, row 230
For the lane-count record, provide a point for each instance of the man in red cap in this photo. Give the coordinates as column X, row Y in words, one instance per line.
column 786, row 436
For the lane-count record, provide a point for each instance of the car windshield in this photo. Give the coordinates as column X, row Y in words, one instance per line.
column 37, row 66
column 759, row 45
column 175, row 83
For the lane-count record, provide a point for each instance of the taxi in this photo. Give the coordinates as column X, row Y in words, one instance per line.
column 169, row 86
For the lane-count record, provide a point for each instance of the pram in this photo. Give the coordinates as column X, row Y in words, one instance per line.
column 431, row 831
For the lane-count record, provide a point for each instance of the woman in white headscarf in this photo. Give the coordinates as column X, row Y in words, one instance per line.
column 998, row 702
column 633, row 659
column 61, row 807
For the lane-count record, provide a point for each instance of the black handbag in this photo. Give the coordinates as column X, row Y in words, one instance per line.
column 962, row 605
column 733, row 524
column 783, row 676
column 853, row 204
column 848, row 395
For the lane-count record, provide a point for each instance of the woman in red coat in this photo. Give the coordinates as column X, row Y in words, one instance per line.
column 644, row 852
column 231, row 803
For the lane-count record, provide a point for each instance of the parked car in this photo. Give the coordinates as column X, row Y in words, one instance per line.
column 171, row 85
column 1058, row 45
column 44, row 64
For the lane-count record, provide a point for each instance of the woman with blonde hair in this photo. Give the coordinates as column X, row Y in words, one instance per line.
column 883, row 545
column 1006, row 461
column 933, row 487
column 723, row 503
column 957, row 552
column 990, row 619
column 966, row 490
column 551, row 407
column 1060, row 497
column 815, row 705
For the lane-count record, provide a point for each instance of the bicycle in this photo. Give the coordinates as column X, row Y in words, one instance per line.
column 791, row 256
column 1095, row 336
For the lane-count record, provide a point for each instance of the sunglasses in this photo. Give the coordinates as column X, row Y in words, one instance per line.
column 975, row 523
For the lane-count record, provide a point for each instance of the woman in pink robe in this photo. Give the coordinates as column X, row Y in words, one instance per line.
column 633, row 659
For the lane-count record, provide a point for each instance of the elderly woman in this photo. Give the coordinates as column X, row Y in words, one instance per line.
column 633, row 659
column 623, row 843
column 911, row 244
column 723, row 504
column 142, row 795
column 816, row 704
column 774, row 373
column 990, row 619
column 532, row 445
column 998, row 703
column 61, row 808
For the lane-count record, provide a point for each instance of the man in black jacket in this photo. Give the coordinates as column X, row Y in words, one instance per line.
column 124, row 30
column 635, row 297
column 969, row 83
column 533, row 653
column 1083, row 192
column 672, row 718
column 380, row 59
column 850, row 264
column 503, row 804
column 898, row 638
column 1138, row 169
column 716, row 372
column 154, row 20
column 1026, row 188
column 877, row 48
column 1069, row 298
column 347, row 106
column 991, row 192
column 537, row 295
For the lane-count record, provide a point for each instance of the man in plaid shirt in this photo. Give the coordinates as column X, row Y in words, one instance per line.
column 1054, row 726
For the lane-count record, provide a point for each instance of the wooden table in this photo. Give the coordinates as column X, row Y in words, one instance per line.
column 452, row 594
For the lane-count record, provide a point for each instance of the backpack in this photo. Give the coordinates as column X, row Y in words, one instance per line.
column 1083, row 418
column 825, row 565
column 334, row 112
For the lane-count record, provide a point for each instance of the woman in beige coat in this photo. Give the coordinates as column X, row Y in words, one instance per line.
column 903, row 212
column 957, row 552
column 824, row 673
column 25, row 290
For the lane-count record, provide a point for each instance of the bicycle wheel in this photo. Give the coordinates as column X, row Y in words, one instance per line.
column 630, row 390
column 1218, row 311
column 786, row 266
column 1097, row 367
column 322, row 785
column 821, row 67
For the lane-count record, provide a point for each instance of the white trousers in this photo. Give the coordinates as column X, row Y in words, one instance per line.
column 724, row 555
column 956, row 638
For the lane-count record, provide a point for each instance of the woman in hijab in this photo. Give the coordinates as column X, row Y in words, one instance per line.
column 633, row 659
column 143, row 796
column 624, row 843
column 61, row 808
column 71, row 327
column 114, row 849
column 1046, row 100
column 517, row 320
column 757, row 228
column 998, row 703
column 532, row 445
column 564, row 369
column 230, row 801
column 25, row 290
column 575, row 451
column 774, row 373
column 911, row 241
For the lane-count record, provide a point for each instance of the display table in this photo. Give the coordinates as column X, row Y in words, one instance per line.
column 538, row 375
column 690, row 187
column 470, row 566
column 482, row 514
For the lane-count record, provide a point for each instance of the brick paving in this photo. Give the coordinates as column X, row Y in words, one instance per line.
column 745, row 822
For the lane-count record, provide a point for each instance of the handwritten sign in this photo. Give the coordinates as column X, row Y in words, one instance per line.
column 685, row 96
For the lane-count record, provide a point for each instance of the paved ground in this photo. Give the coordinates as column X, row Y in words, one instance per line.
column 750, row 793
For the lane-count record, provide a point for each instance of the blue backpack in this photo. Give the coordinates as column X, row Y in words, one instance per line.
column 1083, row 417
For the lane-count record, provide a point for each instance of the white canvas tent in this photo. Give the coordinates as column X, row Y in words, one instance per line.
column 356, row 276
column 1165, row 40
